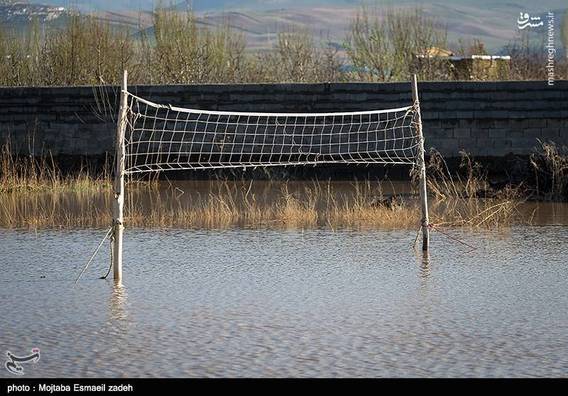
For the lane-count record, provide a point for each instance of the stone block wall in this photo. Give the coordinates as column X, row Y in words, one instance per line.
column 490, row 119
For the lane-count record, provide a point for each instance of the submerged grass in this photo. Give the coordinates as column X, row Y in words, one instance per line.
column 276, row 204
column 239, row 204
column 467, row 199
column 35, row 194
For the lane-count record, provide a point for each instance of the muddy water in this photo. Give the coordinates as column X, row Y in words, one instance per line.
column 266, row 302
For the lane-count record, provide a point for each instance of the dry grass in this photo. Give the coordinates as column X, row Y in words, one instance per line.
column 240, row 204
column 42, row 174
column 35, row 194
column 244, row 205
column 368, row 207
column 458, row 198
column 550, row 165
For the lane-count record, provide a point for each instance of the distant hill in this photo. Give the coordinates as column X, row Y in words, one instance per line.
column 496, row 6
column 493, row 22
column 17, row 15
column 199, row 5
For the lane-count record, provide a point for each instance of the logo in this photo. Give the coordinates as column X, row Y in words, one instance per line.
column 14, row 363
column 525, row 21
column 550, row 48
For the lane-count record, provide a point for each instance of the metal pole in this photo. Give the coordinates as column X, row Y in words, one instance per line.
column 422, row 168
column 118, row 203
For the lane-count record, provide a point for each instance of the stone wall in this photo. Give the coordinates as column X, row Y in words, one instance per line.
column 482, row 118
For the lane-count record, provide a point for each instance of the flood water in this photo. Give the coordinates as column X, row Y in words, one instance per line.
column 288, row 303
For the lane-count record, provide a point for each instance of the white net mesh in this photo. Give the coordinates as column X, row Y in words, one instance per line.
column 162, row 137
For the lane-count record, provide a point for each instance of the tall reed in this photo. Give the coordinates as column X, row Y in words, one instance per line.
column 466, row 199
column 550, row 165
column 27, row 173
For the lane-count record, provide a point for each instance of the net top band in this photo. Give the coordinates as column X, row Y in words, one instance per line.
column 260, row 114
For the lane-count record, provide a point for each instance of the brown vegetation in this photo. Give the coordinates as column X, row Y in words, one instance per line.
column 384, row 46
column 380, row 46
column 550, row 165
column 21, row 174
column 37, row 195
column 34, row 193
column 88, row 51
column 468, row 196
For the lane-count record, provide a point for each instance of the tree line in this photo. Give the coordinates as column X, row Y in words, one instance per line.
column 380, row 46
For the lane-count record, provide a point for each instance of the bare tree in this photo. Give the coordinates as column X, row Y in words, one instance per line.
column 384, row 46
column 186, row 53
column 297, row 58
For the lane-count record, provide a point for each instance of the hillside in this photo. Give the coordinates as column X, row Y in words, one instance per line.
column 16, row 15
column 493, row 22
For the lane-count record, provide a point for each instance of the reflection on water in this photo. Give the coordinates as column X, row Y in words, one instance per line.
column 117, row 303
column 289, row 303
column 424, row 264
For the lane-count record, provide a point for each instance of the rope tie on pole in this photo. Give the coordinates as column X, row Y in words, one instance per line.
column 435, row 227
column 94, row 254
column 111, row 239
